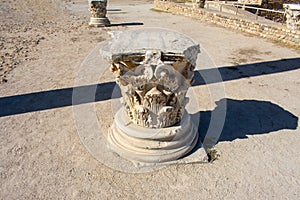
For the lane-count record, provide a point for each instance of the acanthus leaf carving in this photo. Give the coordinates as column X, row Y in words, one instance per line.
column 153, row 87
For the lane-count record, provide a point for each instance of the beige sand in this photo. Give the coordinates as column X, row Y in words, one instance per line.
column 41, row 157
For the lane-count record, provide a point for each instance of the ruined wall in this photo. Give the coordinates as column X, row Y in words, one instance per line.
column 275, row 32
column 250, row 2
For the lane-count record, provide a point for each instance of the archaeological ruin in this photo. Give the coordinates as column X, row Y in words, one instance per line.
column 154, row 70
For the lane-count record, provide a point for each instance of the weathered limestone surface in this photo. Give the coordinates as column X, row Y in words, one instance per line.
column 154, row 69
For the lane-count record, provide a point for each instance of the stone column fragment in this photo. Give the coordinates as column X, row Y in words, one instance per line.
column 154, row 69
column 98, row 9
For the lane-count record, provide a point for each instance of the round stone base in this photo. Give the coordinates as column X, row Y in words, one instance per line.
column 99, row 22
column 146, row 145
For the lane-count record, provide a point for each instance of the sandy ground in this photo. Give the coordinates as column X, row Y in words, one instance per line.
column 42, row 46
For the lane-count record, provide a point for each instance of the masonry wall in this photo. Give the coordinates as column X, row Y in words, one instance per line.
column 274, row 32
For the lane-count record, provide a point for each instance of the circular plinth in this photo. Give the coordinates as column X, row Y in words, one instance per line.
column 99, row 22
column 146, row 145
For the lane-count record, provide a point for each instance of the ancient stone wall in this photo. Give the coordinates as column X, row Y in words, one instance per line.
column 276, row 32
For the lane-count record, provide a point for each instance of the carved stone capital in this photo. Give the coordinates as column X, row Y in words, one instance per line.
column 154, row 73
column 98, row 9
column 154, row 69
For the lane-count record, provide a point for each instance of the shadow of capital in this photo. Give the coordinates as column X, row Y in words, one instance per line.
column 243, row 118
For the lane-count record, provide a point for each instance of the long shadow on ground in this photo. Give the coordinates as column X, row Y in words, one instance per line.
column 244, row 117
column 248, row 70
column 44, row 100
column 126, row 24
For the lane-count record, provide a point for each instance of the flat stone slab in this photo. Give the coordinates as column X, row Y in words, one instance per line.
column 141, row 40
